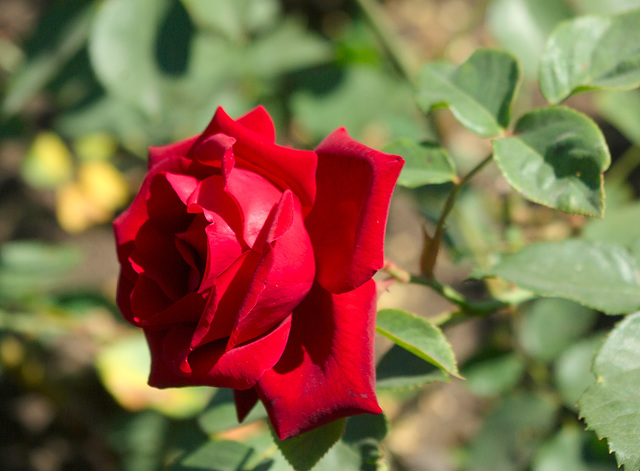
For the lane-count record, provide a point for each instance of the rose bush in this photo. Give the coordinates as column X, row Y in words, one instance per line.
column 249, row 266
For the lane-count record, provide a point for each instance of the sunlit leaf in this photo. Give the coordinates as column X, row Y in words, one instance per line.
column 598, row 275
column 425, row 163
column 48, row 163
column 478, row 92
column 622, row 109
column 611, row 405
column 556, row 157
column 572, row 370
column 399, row 369
column 591, row 52
column 418, row 336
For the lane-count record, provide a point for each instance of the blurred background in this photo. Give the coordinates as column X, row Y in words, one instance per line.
column 86, row 86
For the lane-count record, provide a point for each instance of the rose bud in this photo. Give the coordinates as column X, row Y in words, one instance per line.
column 249, row 266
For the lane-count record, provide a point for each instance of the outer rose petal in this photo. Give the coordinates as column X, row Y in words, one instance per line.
column 348, row 219
column 156, row 154
column 327, row 369
column 287, row 168
column 211, row 365
column 259, row 121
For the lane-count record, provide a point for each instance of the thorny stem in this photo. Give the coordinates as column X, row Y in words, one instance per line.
column 433, row 246
column 376, row 18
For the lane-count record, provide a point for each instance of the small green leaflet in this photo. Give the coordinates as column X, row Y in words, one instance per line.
column 418, row 336
column 601, row 276
column 556, row 157
column 611, row 405
column 425, row 163
column 591, row 52
column 478, row 92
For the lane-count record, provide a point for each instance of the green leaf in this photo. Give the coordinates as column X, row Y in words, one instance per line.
column 611, row 405
column 572, row 370
column 591, row 52
column 425, row 163
column 364, row 433
column 305, row 450
column 510, row 435
column 568, row 451
column 217, row 455
column 494, row 376
column 418, row 336
column 598, row 275
column 121, row 49
column 615, row 227
column 522, row 27
column 398, row 369
column 556, row 157
column 478, row 92
column 221, row 414
column 622, row 109
column 548, row 326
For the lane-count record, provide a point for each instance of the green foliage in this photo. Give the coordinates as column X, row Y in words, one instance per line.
column 556, row 158
column 303, row 451
column 494, row 376
column 511, row 433
column 425, row 163
column 400, row 369
column 478, row 92
column 589, row 53
column 611, row 405
column 548, row 326
column 418, row 336
column 598, row 275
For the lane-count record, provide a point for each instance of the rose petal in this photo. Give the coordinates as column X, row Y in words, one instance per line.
column 348, row 220
column 287, row 168
column 245, row 400
column 327, row 370
column 157, row 154
column 256, row 197
column 283, row 276
column 211, row 365
column 259, row 122
column 216, row 151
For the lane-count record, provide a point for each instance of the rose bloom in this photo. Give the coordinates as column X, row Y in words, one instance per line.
column 248, row 265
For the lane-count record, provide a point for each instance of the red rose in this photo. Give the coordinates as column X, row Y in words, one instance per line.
column 249, row 266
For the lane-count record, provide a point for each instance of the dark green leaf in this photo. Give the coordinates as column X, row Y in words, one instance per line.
column 305, row 450
column 522, row 26
column 556, row 158
column 611, row 405
column 425, row 163
column 591, row 52
column 548, row 326
column 478, row 92
column 400, row 369
column 598, row 275
column 418, row 336
column 572, row 370
column 510, row 435
column 494, row 376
